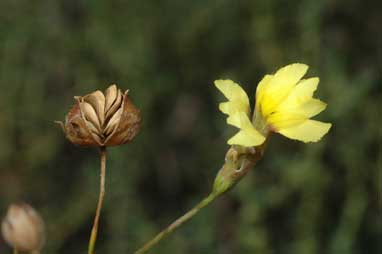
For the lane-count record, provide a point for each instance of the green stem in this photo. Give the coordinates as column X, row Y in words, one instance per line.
column 186, row 217
column 93, row 236
column 15, row 251
column 238, row 162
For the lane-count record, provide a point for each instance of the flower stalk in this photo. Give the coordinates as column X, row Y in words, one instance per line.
column 238, row 162
column 93, row 236
column 176, row 224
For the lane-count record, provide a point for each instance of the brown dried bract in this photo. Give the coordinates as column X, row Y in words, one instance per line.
column 102, row 119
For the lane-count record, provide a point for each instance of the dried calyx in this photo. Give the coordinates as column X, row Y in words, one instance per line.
column 102, row 119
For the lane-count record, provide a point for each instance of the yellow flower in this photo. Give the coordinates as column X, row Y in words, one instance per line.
column 284, row 104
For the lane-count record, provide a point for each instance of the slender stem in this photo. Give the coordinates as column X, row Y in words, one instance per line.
column 15, row 251
column 167, row 231
column 93, row 236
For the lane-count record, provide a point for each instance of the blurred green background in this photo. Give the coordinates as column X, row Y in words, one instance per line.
column 301, row 198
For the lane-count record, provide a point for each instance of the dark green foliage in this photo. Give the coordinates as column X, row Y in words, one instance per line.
column 314, row 198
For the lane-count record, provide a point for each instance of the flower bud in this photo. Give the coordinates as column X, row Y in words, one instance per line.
column 23, row 228
column 102, row 119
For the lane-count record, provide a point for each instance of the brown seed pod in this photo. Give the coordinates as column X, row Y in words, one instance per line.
column 102, row 119
column 23, row 228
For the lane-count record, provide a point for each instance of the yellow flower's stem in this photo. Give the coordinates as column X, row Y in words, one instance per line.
column 179, row 222
column 93, row 236
column 237, row 164
column 15, row 251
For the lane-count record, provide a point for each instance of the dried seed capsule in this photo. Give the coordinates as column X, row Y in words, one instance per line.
column 102, row 119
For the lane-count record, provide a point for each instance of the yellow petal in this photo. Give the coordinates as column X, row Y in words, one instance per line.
column 288, row 118
column 233, row 92
column 261, row 88
column 240, row 120
column 312, row 107
column 301, row 93
column 308, row 131
column 282, row 120
column 289, row 74
column 248, row 135
column 247, row 138
column 280, row 86
column 232, row 107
